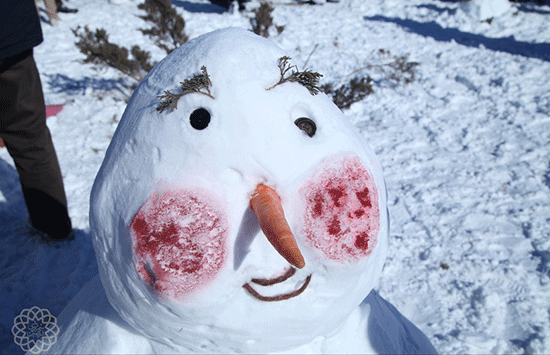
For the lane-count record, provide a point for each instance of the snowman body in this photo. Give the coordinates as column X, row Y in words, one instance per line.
column 90, row 325
column 184, row 263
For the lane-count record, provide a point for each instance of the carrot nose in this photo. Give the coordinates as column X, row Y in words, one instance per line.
column 266, row 204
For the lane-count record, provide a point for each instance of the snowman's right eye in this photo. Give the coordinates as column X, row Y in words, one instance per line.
column 307, row 125
column 199, row 119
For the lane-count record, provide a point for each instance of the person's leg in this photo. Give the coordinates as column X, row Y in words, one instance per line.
column 27, row 138
column 51, row 10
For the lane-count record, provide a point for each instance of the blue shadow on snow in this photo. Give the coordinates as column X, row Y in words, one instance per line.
column 34, row 272
column 506, row 44
column 194, row 7
column 390, row 332
column 438, row 9
column 533, row 9
column 63, row 83
column 12, row 204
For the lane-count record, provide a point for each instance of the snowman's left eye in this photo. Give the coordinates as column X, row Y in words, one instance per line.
column 199, row 119
column 307, row 125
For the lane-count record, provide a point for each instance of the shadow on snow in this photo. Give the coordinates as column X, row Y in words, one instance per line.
column 525, row 8
column 437, row 32
column 194, row 7
column 34, row 272
column 438, row 9
column 62, row 83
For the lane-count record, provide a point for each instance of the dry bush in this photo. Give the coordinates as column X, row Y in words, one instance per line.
column 167, row 32
column 168, row 29
column 397, row 69
column 394, row 68
column 345, row 95
column 262, row 20
column 98, row 50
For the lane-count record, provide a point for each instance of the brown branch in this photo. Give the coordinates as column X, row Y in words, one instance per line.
column 268, row 282
column 282, row 297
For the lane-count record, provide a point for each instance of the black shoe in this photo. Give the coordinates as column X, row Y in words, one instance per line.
column 66, row 10
column 66, row 237
column 46, row 237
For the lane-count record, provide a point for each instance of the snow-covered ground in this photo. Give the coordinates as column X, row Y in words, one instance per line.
column 465, row 150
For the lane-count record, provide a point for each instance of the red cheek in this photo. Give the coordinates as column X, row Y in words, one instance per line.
column 179, row 240
column 342, row 216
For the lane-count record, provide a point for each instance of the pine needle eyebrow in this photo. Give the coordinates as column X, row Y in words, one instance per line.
column 199, row 83
column 306, row 78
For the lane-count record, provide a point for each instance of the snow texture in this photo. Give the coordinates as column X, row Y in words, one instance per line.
column 464, row 149
column 486, row 9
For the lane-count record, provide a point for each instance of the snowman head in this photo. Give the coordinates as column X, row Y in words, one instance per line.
column 240, row 211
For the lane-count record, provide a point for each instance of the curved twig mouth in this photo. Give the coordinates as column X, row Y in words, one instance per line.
column 268, row 282
column 273, row 281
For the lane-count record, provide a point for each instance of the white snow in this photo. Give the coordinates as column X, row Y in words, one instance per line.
column 486, row 9
column 464, row 150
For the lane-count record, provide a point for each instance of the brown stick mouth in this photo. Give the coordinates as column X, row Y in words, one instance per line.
column 276, row 280
column 281, row 297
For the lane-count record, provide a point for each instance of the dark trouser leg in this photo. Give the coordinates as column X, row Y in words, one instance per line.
column 23, row 128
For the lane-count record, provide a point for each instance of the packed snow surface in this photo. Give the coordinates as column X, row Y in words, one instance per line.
column 464, row 150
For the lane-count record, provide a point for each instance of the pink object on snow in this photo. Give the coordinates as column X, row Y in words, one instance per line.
column 51, row 110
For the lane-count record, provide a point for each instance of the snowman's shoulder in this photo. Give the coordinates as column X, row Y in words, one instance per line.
column 90, row 325
column 389, row 332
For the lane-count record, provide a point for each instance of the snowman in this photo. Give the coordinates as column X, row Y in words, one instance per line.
column 236, row 211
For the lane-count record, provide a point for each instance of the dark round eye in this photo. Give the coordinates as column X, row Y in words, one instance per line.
column 307, row 125
column 200, row 118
